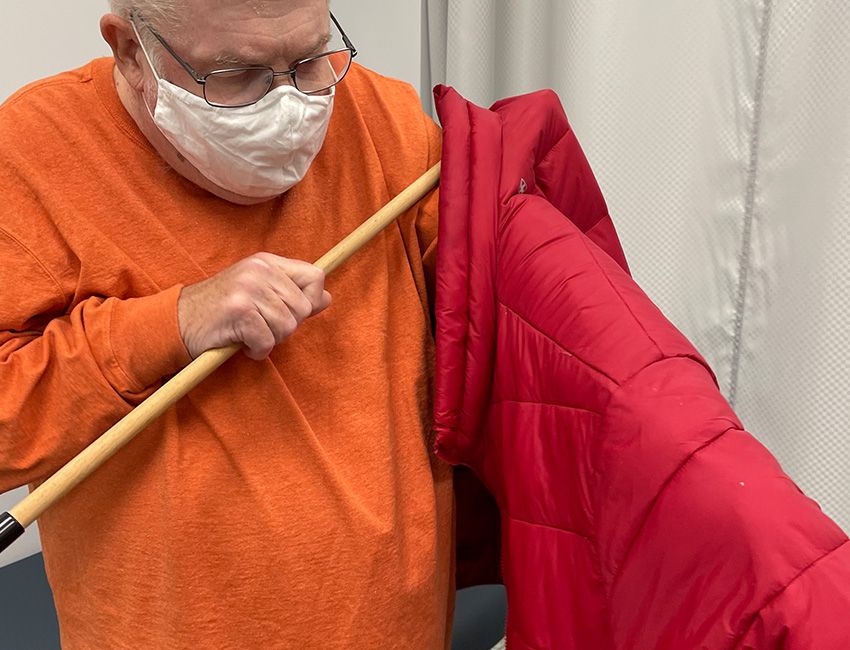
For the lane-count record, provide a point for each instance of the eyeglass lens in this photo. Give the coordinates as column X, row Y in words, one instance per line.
column 248, row 85
column 235, row 87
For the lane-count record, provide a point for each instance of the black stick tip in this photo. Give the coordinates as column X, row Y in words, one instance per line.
column 10, row 530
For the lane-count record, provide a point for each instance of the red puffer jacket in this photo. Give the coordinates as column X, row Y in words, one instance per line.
column 636, row 512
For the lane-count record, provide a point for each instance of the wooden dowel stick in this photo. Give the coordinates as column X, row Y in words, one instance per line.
column 87, row 461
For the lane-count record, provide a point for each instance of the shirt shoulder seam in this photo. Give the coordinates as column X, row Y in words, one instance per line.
column 41, row 85
column 36, row 259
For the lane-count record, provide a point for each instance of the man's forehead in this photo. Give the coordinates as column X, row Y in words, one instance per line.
column 267, row 8
column 287, row 54
column 253, row 31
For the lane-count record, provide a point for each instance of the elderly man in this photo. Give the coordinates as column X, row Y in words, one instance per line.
column 166, row 202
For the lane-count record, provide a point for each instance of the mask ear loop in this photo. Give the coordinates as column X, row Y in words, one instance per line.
column 145, row 51
column 152, row 67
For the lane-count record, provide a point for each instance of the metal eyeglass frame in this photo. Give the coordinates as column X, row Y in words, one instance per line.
column 202, row 79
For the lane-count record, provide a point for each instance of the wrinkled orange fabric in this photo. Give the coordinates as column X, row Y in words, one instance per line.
column 289, row 503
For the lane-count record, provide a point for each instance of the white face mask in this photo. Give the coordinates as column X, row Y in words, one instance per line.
column 257, row 151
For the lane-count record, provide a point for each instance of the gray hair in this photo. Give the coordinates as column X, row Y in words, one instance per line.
column 162, row 15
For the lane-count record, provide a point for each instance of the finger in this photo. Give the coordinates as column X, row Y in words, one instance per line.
column 285, row 290
column 308, row 277
column 325, row 302
column 314, row 290
column 278, row 315
column 254, row 332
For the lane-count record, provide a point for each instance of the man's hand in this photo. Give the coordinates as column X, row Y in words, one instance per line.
column 258, row 301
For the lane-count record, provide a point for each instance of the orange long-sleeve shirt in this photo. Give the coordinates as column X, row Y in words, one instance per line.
column 289, row 503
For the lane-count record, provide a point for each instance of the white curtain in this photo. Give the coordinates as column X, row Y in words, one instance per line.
column 720, row 134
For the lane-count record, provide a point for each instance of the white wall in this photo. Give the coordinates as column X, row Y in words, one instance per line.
column 37, row 40
column 387, row 34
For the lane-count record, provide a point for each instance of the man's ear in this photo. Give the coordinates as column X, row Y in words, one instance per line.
column 121, row 37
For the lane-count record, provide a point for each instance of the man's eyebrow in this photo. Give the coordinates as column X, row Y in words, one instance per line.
column 320, row 44
column 231, row 59
column 226, row 59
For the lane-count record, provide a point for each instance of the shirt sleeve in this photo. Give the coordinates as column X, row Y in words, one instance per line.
column 63, row 355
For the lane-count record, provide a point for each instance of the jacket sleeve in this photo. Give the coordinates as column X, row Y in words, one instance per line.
column 703, row 540
column 809, row 612
column 728, row 549
column 70, row 367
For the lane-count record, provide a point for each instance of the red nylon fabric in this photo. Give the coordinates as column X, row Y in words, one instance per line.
column 635, row 510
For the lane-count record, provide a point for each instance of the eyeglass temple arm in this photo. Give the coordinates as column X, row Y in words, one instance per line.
column 345, row 38
column 184, row 64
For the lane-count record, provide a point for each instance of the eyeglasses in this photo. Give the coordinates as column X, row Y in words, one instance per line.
column 246, row 85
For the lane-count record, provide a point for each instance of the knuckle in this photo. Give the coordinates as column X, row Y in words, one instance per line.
column 255, row 264
column 245, row 280
column 239, row 306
